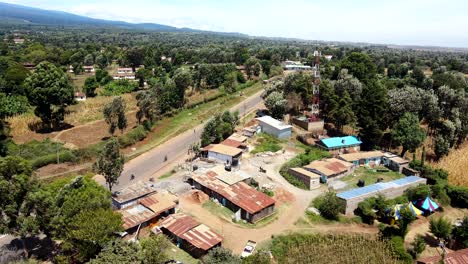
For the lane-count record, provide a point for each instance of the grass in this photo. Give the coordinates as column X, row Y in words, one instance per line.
column 455, row 164
column 312, row 218
column 41, row 153
column 187, row 119
column 310, row 154
column 266, row 143
column 167, row 174
column 369, row 176
column 178, row 254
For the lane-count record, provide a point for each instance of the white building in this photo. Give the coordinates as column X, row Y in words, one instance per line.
column 88, row 69
column 274, row 127
column 226, row 154
column 124, row 70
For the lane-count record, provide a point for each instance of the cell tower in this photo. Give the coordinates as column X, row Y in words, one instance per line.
column 315, row 104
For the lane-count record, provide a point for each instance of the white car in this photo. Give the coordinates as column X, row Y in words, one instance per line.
column 248, row 249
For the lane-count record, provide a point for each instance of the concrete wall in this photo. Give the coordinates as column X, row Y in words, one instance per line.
column 309, row 182
column 309, row 126
column 221, row 157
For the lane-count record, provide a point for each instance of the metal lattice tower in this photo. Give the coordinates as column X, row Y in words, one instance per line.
column 315, row 104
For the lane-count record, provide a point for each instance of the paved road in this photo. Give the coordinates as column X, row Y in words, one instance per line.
column 150, row 162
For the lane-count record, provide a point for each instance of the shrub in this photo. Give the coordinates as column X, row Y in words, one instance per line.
column 329, row 205
column 398, row 248
column 133, row 136
column 419, row 192
column 418, row 246
column 63, row 156
column 118, row 88
column 458, row 196
column 440, row 227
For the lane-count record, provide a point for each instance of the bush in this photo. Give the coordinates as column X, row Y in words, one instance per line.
column 458, row 196
column 133, row 136
column 64, row 156
column 419, row 192
column 329, row 205
column 418, row 246
column 300, row 160
column 118, row 88
column 398, row 248
column 440, row 227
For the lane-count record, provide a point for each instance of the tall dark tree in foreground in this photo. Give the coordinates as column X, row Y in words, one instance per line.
column 16, row 185
column 371, row 111
column 182, row 79
column 114, row 114
column 408, row 133
column 110, row 163
column 50, row 91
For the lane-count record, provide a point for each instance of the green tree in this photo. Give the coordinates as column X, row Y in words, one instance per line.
column 329, row 205
column 371, row 112
column 343, row 115
column 440, row 227
column 114, row 114
column 119, row 251
column 419, row 192
column 154, row 249
column 360, row 65
column 89, row 231
column 110, row 162
column 90, row 86
column 182, row 79
column 260, row 257
column 230, row 82
column 419, row 76
column 460, row 232
column 50, row 91
column 252, row 67
column 221, row 255
column 276, row 104
column 148, row 107
column 441, row 146
column 16, row 185
column 408, row 133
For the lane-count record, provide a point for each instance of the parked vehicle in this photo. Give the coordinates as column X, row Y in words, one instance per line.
column 248, row 249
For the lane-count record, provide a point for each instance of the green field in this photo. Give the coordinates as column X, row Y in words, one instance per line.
column 370, row 176
column 266, row 143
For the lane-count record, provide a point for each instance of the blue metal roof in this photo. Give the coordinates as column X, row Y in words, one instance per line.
column 336, row 142
column 377, row 187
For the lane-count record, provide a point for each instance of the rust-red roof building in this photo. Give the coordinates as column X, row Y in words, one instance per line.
column 456, row 257
column 246, row 202
column 190, row 235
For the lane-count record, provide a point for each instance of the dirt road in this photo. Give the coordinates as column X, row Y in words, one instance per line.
column 149, row 163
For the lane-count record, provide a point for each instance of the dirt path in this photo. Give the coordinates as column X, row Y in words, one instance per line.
column 421, row 227
column 236, row 236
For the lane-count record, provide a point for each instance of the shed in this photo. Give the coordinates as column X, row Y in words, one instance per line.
column 340, row 145
column 390, row 190
column 129, row 196
column 368, row 158
column 79, row 96
column 274, row 127
column 223, row 153
column 195, row 238
column 310, row 179
column 329, row 168
column 395, row 162
column 136, row 215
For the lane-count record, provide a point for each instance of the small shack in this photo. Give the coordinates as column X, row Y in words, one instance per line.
column 340, row 145
column 88, row 69
column 310, row 179
column 274, row 127
column 79, row 96
column 330, row 168
column 129, row 196
column 395, row 162
column 195, row 238
column 367, row 158
column 226, row 154
column 390, row 190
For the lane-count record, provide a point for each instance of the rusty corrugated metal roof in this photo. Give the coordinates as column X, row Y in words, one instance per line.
column 135, row 215
column 187, row 228
column 329, row 167
column 159, row 202
column 239, row 193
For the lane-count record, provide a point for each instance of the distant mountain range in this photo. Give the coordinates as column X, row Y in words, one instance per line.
column 18, row 14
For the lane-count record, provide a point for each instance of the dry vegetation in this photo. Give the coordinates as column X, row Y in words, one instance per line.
column 79, row 114
column 456, row 163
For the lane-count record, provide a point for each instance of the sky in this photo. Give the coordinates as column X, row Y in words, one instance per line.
column 405, row 22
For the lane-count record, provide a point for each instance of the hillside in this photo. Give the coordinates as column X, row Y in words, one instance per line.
column 18, row 14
